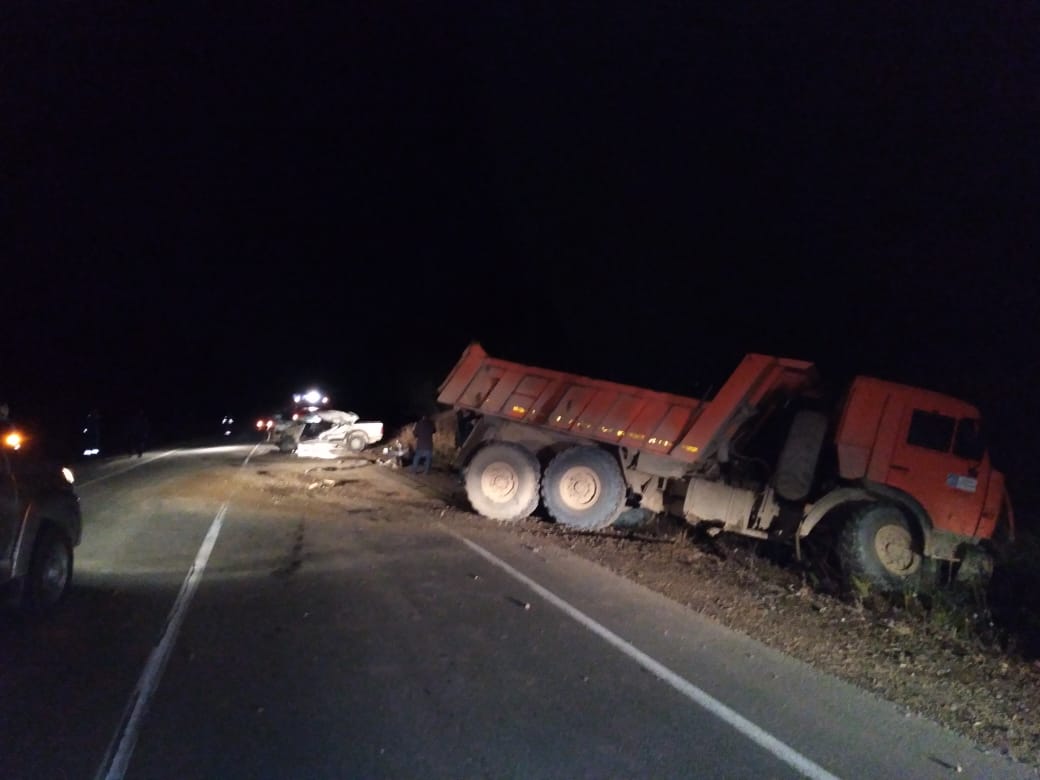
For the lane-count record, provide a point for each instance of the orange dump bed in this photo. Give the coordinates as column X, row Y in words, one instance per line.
column 688, row 429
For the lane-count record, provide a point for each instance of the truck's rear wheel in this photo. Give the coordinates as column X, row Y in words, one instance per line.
column 584, row 488
column 357, row 441
column 878, row 546
column 502, row 482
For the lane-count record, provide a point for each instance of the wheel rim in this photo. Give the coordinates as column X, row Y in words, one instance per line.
column 54, row 574
column 894, row 547
column 580, row 488
column 499, row 482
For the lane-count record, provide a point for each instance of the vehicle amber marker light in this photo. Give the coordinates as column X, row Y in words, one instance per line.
column 13, row 440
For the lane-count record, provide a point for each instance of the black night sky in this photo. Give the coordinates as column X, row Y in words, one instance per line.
column 206, row 207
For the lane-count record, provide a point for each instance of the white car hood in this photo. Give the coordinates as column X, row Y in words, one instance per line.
column 334, row 416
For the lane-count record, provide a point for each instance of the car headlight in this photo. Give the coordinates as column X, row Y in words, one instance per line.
column 67, row 473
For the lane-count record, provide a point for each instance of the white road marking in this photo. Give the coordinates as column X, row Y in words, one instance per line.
column 117, row 757
column 782, row 751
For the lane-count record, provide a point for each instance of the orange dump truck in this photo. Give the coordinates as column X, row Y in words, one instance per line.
column 896, row 480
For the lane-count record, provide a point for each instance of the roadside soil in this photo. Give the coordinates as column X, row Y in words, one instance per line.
column 924, row 660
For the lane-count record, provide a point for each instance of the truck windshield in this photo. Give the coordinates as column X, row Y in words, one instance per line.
column 931, row 430
column 943, row 433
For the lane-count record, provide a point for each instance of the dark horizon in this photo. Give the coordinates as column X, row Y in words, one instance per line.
column 205, row 211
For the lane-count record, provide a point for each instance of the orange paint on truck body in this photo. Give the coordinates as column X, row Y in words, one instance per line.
column 687, row 429
column 925, row 444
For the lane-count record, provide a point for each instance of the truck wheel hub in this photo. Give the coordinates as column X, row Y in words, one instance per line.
column 580, row 487
column 894, row 547
column 499, row 482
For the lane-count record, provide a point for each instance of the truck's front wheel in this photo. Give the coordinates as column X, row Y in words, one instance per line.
column 584, row 488
column 502, row 482
column 878, row 546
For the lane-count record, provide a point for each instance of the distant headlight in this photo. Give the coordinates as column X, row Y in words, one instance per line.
column 67, row 473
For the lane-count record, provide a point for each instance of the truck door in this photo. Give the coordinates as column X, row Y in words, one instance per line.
column 940, row 460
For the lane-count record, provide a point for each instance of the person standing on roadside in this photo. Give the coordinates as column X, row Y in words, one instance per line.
column 423, row 445
column 138, row 433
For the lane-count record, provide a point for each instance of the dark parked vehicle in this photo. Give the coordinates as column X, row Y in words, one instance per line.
column 40, row 525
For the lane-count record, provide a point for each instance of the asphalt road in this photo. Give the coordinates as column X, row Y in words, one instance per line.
column 219, row 628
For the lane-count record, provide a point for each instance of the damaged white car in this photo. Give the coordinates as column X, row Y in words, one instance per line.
column 327, row 433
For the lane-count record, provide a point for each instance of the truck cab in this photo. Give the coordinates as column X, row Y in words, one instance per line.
column 925, row 451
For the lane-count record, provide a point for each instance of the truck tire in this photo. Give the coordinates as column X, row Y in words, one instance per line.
column 502, row 482
column 286, row 444
column 357, row 441
column 50, row 572
column 877, row 546
column 796, row 467
column 584, row 488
